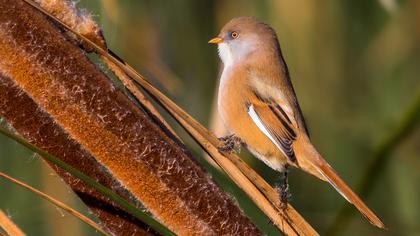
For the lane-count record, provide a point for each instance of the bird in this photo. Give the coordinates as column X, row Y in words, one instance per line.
column 258, row 105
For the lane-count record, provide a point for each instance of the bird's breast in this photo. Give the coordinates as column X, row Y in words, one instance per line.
column 231, row 101
column 233, row 104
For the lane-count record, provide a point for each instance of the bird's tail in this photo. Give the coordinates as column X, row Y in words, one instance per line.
column 311, row 161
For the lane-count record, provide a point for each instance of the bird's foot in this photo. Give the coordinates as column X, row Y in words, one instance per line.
column 231, row 143
column 284, row 190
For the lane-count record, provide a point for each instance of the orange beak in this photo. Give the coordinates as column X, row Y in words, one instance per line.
column 216, row 40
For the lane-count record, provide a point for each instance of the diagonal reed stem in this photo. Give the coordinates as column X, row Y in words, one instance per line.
column 9, row 226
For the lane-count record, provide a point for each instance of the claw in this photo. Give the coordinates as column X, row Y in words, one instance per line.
column 231, row 143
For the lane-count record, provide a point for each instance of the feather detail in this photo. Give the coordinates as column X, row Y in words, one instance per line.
column 283, row 139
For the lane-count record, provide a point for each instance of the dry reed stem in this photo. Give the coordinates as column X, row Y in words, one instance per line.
column 216, row 126
column 147, row 50
column 295, row 224
column 9, row 226
column 39, row 64
column 144, row 101
column 56, row 202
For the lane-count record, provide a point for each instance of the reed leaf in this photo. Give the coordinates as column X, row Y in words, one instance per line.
column 56, row 202
column 10, row 228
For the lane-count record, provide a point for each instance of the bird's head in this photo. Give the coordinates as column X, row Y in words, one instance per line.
column 244, row 37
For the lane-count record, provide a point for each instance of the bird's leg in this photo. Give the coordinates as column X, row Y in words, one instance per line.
column 284, row 189
column 231, row 143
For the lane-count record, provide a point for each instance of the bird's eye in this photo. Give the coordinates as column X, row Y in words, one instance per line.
column 234, row 34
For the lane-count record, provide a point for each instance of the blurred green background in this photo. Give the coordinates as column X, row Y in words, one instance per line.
column 355, row 66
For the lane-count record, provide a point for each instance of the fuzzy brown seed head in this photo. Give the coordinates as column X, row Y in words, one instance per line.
column 80, row 21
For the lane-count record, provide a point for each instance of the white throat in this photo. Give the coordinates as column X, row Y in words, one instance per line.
column 235, row 52
column 225, row 53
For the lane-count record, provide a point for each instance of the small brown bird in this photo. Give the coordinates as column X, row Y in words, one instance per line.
column 258, row 105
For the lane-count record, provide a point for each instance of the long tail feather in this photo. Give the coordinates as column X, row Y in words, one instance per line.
column 311, row 161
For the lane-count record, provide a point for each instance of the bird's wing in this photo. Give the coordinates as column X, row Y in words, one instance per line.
column 273, row 121
column 276, row 120
column 281, row 129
